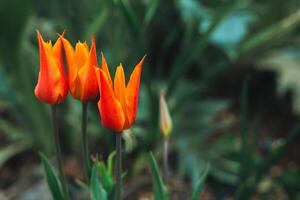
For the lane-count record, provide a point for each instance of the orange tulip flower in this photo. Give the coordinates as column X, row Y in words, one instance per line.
column 118, row 102
column 81, row 69
column 52, row 86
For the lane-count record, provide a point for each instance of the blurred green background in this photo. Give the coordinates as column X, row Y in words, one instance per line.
column 231, row 69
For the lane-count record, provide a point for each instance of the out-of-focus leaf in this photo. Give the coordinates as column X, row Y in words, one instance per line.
column 12, row 132
column 106, row 177
column 271, row 33
column 191, row 9
column 53, row 182
column 197, row 190
column 286, row 64
column 152, row 7
column 11, row 150
column 110, row 161
column 97, row 24
column 82, row 185
column 231, row 31
column 97, row 191
column 129, row 15
column 159, row 188
column 183, row 62
column 129, row 139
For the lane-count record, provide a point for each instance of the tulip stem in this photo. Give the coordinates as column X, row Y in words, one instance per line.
column 165, row 159
column 85, row 150
column 58, row 151
column 118, row 166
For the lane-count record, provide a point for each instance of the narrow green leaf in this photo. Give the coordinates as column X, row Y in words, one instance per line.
column 11, row 150
column 159, row 189
column 272, row 33
column 151, row 11
column 200, row 183
column 82, row 185
column 129, row 16
column 110, row 161
column 106, row 177
column 52, row 180
column 97, row 191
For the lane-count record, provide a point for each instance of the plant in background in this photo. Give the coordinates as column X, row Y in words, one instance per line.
column 52, row 89
column 160, row 191
column 165, row 124
column 101, row 181
column 118, row 107
column 83, row 84
column 254, row 168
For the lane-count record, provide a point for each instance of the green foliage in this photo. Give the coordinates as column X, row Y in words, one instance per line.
column 159, row 189
column 106, row 172
column 96, row 188
column 197, row 143
column 285, row 63
column 52, row 181
column 252, row 172
column 197, row 190
column 189, row 43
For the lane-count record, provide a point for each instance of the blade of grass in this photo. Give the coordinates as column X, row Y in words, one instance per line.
column 151, row 11
column 271, row 33
column 183, row 62
column 97, row 191
column 130, row 16
column 159, row 189
column 52, row 180
column 200, row 183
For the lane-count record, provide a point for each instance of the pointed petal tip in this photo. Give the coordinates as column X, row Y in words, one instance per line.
column 61, row 35
column 93, row 37
column 39, row 35
column 142, row 60
column 103, row 59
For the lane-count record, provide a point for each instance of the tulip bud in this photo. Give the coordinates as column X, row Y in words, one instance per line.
column 52, row 87
column 165, row 121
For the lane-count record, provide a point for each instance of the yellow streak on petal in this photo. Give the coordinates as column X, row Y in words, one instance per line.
column 81, row 54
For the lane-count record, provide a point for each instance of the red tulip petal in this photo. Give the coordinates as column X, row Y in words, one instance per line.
column 49, row 87
column 104, row 67
column 132, row 92
column 88, row 86
column 71, row 62
column 119, row 88
column 110, row 109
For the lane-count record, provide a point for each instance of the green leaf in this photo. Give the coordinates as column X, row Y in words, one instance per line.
column 159, row 189
column 129, row 16
column 110, row 161
column 285, row 63
column 82, row 185
column 272, row 33
column 151, row 10
column 11, row 150
column 199, row 184
column 106, row 177
column 97, row 191
column 238, row 22
column 52, row 180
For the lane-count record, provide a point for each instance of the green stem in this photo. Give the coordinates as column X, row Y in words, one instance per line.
column 165, row 160
column 58, row 152
column 85, row 150
column 118, row 166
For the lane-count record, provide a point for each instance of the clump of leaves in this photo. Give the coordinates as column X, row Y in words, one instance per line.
column 160, row 190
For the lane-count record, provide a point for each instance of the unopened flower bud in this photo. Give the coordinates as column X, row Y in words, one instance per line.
column 165, row 121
